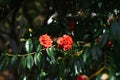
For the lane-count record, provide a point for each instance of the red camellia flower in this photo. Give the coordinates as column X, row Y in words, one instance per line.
column 82, row 77
column 45, row 41
column 65, row 42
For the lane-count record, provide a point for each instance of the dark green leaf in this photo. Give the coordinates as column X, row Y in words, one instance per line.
column 96, row 53
column 13, row 60
column 23, row 62
column 38, row 48
column 37, row 59
column 85, row 56
column 28, row 45
column 50, row 52
column 29, row 61
column 2, row 64
column 103, row 40
column 115, row 29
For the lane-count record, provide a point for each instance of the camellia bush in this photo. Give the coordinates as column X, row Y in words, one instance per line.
column 59, row 40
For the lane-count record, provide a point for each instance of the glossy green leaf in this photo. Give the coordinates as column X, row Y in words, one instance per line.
column 28, row 45
column 37, row 59
column 29, row 61
column 25, row 78
column 50, row 52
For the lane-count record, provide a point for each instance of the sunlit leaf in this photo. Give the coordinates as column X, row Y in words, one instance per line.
column 42, row 74
column 28, row 45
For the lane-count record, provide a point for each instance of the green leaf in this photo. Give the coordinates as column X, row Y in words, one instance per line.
column 37, row 59
column 24, row 77
column 50, row 52
column 42, row 74
column 38, row 48
column 2, row 64
column 28, row 45
column 29, row 61
column 115, row 29
column 96, row 53
column 23, row 62
column 85, row 56
column 103, row 39
column 13, row 59
column 86, row 36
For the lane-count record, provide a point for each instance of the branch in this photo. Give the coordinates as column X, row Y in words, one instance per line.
column 99, row 71
column 21, row 55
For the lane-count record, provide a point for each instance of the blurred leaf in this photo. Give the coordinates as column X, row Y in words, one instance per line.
column 77, row 67
column 29, row 61
column 4, row 2
column 29, row 45
column 50, row 52
column 96, row 53
column 61, row 68
column 115, row 29
column 23, row 62
column 24, row 77
column 13, row 60
column 2, row 64
column 86, row 36
column 85, row 56
column 37, row 59
column 38, row 48
column 103, row 40
column 42, row 74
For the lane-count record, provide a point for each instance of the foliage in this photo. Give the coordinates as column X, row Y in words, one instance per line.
column 93, row 26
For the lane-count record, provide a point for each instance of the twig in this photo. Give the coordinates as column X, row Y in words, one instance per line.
column 99, row 71
column 21, row 55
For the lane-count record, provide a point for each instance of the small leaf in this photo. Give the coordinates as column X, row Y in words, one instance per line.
column 42, row 74
column 28, row 45
column 30, row 61
column 37, row 58
column 86, row 36
column 50, row 52
column 85, row 56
